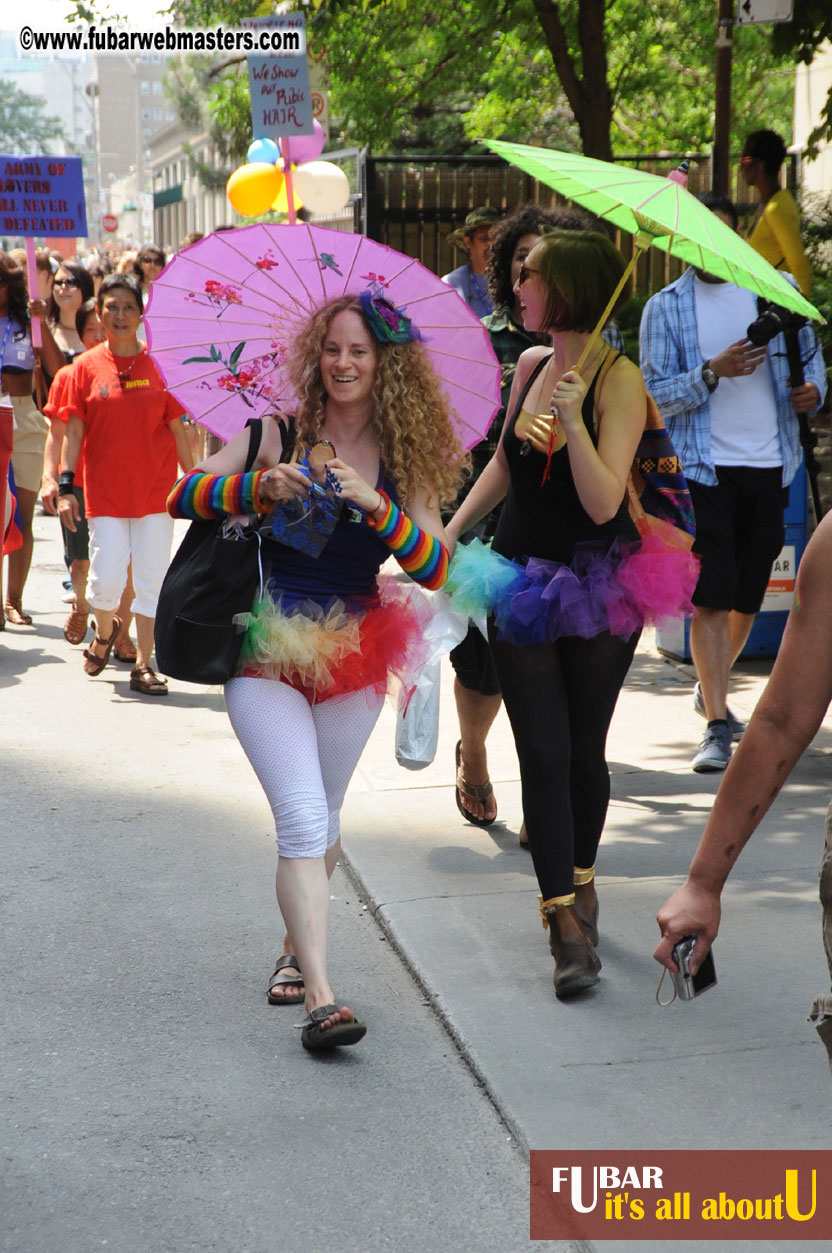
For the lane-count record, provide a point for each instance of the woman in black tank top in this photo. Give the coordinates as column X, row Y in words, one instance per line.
column 562, row 465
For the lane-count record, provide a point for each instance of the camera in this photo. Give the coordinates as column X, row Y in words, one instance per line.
column 774, row 320
column 688, row 985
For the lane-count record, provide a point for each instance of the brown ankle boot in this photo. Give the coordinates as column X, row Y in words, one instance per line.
column 576, row 962
column 586, row 907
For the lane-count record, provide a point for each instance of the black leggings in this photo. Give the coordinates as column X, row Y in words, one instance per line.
column 560, row 699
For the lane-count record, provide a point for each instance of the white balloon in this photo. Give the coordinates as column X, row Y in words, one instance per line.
column 322, row 186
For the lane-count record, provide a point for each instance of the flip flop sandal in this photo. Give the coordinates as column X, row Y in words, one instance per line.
column 313, row 1038
column 125, row 651
column 279, row 980
column 145, row 680
column 474, row 791
column 93, row 664
column 75, row 627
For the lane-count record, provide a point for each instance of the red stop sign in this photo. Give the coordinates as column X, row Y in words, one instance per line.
column 110, row 222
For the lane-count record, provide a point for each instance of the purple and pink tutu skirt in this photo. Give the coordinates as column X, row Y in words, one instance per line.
column 634, row 583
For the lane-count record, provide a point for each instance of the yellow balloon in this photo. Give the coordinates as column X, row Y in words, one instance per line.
column 281, row 201
column 253, row 187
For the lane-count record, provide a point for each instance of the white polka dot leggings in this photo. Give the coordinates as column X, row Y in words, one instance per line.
column 304, row 755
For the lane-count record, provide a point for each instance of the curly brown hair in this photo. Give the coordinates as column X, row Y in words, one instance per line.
column 411, row 415
column 15, row 279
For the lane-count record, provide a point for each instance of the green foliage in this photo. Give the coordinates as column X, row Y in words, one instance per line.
column 25, row 125
column 406, row 77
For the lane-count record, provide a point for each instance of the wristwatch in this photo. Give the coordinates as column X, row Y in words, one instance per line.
column 708, row 377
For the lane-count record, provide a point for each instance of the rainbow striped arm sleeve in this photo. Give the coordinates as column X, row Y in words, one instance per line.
column 418, row 553
column 199, row 496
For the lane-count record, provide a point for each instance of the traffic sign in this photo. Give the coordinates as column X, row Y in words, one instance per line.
column 110, row 222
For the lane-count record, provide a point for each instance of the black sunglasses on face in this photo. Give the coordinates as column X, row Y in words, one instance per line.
column 65, row 282
column 525, row 271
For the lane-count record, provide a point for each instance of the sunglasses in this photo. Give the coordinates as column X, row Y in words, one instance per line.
column 65, row 282
column 525, row 271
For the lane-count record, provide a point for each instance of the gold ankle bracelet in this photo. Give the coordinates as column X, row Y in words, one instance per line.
column 581, row 877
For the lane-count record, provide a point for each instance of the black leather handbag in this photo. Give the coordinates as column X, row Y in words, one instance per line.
column 215, row 574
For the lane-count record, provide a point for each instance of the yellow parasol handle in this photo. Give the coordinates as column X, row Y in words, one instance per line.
column 638, row 252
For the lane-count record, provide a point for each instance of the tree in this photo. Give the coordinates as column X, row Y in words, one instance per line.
column 25, row 127
column 602, row 75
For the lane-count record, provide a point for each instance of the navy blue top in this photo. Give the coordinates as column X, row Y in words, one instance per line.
column 346, row 568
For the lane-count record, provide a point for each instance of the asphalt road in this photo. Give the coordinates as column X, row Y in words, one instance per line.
column 153, row 1100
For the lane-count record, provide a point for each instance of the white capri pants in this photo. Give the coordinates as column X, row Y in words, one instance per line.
column 304, row 755
column 114, row 542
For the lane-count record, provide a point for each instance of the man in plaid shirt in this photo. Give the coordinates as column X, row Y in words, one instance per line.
column 730, row 411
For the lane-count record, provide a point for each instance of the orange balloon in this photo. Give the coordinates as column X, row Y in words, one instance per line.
column 252, row 188
column 281, row 201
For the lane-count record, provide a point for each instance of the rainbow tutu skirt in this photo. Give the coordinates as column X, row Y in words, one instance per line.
column 330, row 647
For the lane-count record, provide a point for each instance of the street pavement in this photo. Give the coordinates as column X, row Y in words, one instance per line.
column 156, row 1102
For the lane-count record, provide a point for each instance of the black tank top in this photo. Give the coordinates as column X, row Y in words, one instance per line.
column 548, row 520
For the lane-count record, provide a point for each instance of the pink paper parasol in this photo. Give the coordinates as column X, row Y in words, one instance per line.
column 224, row 313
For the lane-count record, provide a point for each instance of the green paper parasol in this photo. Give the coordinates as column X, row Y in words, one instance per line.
column 660, row 213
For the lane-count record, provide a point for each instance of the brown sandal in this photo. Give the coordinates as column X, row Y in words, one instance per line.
column 15, row 615
column 125, row 650
column 93, row 664
column 473, row 791
column 145, row 680
column 76, row 626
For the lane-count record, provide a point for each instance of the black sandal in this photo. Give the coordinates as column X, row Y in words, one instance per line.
column 279, row 980
column 313, row 1037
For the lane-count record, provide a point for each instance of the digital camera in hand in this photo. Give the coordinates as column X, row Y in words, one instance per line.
column 689, row 985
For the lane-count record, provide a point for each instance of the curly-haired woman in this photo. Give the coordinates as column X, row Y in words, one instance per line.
column 315, row 662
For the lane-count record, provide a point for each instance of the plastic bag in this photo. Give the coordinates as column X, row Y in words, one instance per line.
column 417, row 724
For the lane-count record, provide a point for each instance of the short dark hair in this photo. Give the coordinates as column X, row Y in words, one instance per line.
column 83, row 280
column 82, row 317
column 151, row 253
column 582, row 270
column 719, row 203
column 526, row 220
column 765, row 146
column 128, row 281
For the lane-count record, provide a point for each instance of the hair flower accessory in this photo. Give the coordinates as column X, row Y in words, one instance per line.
column 388, row 324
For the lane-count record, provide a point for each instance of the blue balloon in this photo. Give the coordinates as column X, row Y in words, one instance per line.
column 263, row 150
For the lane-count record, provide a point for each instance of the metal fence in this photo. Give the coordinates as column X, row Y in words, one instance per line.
column 413, row 203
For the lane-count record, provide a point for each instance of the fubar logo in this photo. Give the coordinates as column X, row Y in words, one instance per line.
column 679, row 1195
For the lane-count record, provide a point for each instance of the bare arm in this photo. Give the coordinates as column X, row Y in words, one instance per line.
column 784, row 723
column 51, row 461
column 68, row 507
column 183, row 448
column 600, row 473
column 492, row 485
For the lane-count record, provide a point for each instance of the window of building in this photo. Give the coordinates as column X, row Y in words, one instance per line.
column 157, row 88
column 145, row 89
column 146, row 134
column 145, row 115
column 157, row 115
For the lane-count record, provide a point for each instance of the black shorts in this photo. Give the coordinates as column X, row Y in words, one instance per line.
column 77, row 543
column 739, row 533
column 474, row 665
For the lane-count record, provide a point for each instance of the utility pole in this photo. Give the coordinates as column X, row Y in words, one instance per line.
column 722, row 96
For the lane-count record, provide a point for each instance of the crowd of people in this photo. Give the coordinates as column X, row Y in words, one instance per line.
column 539, row 528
